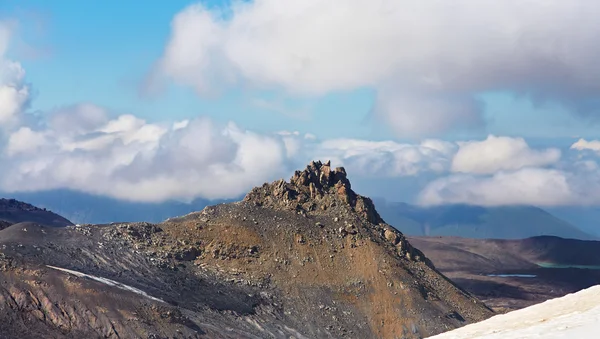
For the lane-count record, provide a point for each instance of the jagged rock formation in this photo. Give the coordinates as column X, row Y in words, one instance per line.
column 13, row 211
column 304, row 259
column 317, row 187
column 317, row 190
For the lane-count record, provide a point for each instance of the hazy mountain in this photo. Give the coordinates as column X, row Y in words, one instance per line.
column 505, row 222
column 585, row 217
column 83, row 208
column 13, row 211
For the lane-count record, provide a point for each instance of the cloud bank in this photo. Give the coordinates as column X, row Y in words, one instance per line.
column 523, row 176
column 127, row 158
column 500, row 154
column 86, row 147
column 14, row 93
column 427, row 60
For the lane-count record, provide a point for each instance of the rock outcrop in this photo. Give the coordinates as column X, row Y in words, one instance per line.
column 315, row 188
column 319, row 190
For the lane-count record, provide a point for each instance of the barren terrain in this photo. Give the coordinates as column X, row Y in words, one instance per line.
column 512, row 274
column 304, row 259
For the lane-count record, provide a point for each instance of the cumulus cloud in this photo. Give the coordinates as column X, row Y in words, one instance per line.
column 530, row 186
column 567, row 183
column 428, row 60
column 500, row 154
column 127, row 158
column 387, row 158
column 14, row 93
column 583, row 145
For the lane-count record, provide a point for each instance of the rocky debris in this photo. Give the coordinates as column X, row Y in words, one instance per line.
column 315, row 188
column 6, row 262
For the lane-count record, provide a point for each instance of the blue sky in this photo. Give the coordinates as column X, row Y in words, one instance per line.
column 360, row 75
column 100, row 52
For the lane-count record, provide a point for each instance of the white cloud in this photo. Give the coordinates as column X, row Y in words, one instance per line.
column 14, row 93
column 506, row 171
column 180, row 124
column 78, row 119
column 582, row 144
column 427, row 59
column 25, row 141
column 128, row 158
column 530, row 186
column 386, row 158
column 500, row 153
column 576, row 183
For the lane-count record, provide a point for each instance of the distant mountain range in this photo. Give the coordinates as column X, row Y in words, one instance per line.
column 507, row 222
column 504, row 222
column 13, row 212
column 83, row 208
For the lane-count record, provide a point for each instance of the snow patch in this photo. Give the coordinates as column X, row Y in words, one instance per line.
column 575, row 315
column 106, row 282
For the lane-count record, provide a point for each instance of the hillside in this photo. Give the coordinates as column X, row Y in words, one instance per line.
column 307, row 258
column 504, row 222
column 13, row 211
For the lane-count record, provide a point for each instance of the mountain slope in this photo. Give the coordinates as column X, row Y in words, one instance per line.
column 13, row 211
column 504, row 222
column 585, row 217
column 304, row 259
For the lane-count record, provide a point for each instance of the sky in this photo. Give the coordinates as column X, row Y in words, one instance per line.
column 480, row 102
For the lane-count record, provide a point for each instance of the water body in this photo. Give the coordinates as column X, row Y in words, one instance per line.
column 513, row 275
column 553, row 265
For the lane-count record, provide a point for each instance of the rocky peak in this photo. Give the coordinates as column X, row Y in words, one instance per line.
column 316, row 188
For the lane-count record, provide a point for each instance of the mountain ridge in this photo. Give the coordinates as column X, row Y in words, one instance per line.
column 480, row 222
column 301, row 259
column 13, row 211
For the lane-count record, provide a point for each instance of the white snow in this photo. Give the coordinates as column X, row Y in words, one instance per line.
column 106, row 282
column 574, row 316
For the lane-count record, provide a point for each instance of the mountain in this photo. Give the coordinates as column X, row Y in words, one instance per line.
column 585, row 217
column 572, row 316
column 308, row 258
column 504, row 222
column 13, row 211
column 84, row 208
column 512, row 274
